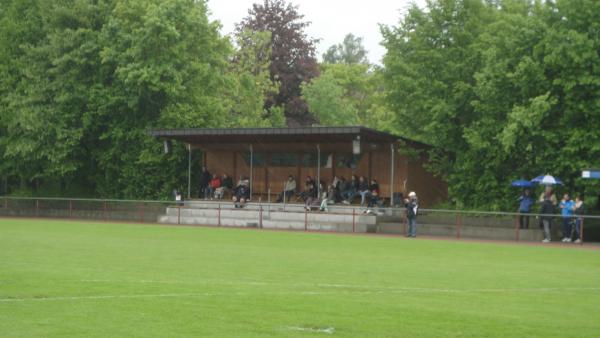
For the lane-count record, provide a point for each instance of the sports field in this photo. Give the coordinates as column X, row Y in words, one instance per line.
column 83, row 279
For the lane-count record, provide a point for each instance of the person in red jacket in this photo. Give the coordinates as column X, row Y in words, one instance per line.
column 214, row 183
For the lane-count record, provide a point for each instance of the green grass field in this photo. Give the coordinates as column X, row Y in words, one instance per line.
column 83, row 279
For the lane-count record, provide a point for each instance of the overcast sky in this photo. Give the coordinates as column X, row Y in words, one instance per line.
column 330, row 20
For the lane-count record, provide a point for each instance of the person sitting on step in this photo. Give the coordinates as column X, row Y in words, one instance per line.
column 363, row 190
column 288, row 190
column 226, row 185
column 310, row 189
column 241, row 194
column 374, row 194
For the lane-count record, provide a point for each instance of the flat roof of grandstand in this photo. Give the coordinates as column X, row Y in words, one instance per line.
column 298, row 134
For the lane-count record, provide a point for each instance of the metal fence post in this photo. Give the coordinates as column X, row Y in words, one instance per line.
column 404, row 221
column 105, row 212
column 260, row 214
column 141, row 213
column 581, row 232
column 178, row 214
column 517, row 228
column 353, row 220
column 219, row 215
column 305, row 219
column 458, row 225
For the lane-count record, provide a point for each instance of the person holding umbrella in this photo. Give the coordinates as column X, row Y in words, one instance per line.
column 525, row 203
column 548, row 201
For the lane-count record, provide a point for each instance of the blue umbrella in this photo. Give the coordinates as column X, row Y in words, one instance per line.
column 522, row 184
column 546, row 180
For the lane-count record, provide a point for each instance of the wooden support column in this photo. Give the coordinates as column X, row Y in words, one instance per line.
column 370, row 172
column 299, row 179
column 267, row 160
column 234, row 174
column 333, row 165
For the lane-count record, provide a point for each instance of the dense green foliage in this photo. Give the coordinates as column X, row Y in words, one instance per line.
column 90, row 279
column 83, row 81
column 347, row 94
column 351, row 50
column 503, row 89
column 292, row 57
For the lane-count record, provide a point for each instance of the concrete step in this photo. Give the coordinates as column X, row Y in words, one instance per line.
column 267, row 224
column 298, row 207
column 466, row 231
column 246, row 214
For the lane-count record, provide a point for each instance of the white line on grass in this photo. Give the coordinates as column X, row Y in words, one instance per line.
column 327, row 330
column 107, row 297
column 296, row 293
column 354, row 287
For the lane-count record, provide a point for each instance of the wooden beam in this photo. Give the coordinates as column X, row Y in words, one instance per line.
column 370, row 165
column 234, row 177
column 333, row 165
column 267, row 159
column 299, row 167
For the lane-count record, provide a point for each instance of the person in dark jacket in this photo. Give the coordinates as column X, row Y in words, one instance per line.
column 226, row 185
column 525, row 203
column 547, row 211
column 350, row 190
column 205, row 178
column 579, row 211
column 374, row 193
column 313, row 200
column 363, row 190
column 241, row 194
column 412, row 205
column 310, row 189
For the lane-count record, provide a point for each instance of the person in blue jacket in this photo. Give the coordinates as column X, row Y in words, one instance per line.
column 566, row 206
column 525, row 203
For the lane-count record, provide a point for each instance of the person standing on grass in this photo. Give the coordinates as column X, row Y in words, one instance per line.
column 566, row 206
column 548, row 192
column 412, row 206
column 548, row 202
column 579, row 210
column 525, row 203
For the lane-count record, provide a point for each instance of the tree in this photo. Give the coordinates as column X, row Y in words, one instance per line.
column 350, row 51
column 292, row 55
column 90, row 79
column 251, row 83
column 344, row 94
column 503, row 89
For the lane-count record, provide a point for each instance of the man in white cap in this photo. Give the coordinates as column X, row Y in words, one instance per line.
column 412, row 206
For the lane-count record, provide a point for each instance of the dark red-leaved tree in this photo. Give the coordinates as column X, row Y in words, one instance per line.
column 292, row 55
